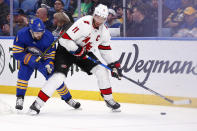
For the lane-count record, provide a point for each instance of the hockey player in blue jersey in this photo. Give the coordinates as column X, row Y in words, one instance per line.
column 30, row 43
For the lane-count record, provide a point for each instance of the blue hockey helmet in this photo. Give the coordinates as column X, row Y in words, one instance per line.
column 36, row 25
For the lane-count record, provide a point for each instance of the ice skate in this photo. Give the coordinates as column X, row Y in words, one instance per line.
column 34, row 109
column 113, row 105
column 73, row 103
column 19, row 103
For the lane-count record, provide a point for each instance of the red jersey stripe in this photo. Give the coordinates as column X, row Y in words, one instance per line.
column 65, row 36
column 101, row 47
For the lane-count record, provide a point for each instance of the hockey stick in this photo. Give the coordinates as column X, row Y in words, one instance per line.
column 177, row 102
column 64, row 31
column 44, row 53
column 54, row 42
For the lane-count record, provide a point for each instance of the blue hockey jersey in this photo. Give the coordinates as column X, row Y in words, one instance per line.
column 24, row 44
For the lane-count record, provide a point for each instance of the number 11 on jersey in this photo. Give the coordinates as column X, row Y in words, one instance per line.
column 75, row 29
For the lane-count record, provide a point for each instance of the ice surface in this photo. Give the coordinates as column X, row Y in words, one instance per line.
column 56, row 115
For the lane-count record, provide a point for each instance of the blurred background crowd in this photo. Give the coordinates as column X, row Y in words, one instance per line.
column 128, row 18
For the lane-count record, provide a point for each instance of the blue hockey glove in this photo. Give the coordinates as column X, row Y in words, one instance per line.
column 30, row 60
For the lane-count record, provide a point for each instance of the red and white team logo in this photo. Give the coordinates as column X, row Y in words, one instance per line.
column 88, row 45
column 64, row 66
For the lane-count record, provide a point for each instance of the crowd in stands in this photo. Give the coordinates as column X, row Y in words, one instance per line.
column 179, row 17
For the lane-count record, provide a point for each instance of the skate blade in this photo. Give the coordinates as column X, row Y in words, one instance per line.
column 116, row 110
column 32, row 113
column 17, row 111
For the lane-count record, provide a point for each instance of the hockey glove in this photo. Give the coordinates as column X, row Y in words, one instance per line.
column 30, row 60
column 116, row 71
column 49, row 68
column 80, row 53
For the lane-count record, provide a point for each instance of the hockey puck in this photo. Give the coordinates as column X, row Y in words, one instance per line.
column 163, row 113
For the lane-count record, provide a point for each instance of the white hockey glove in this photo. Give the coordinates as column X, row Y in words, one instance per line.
column 116, row 70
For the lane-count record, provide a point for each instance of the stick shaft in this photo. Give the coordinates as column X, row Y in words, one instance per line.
column 150, row 90
column 180, row 102
column 44, row 53
column 54, row 42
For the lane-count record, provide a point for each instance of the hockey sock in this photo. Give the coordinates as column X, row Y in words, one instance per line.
column 64, row 92
column 42, row 98
column 21, row 87
column 53, row 83
column 107, row 93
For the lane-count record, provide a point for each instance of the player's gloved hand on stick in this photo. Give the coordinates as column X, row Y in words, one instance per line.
column 116, row 71
column 49, row 68
column 80, row 53
column 30, row 60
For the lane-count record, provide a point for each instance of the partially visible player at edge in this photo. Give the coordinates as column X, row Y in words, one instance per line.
column 30, row 43
column 79, row 41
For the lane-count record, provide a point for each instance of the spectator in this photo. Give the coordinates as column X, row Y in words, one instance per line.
column 119, row 12
column 61, row 20
column 112, row 21
column 189, row 28
column 42, row 13
column 20, row 20
column 85, row 6
column 59, row 7
column 4, row 11
column 143, row 24
column 5, row 30
column 175, row 19
column 49, row 3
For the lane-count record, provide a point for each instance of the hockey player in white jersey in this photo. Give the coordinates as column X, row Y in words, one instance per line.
column 76, row 44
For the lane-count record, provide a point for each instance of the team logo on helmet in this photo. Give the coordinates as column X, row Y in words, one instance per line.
column 36, row 25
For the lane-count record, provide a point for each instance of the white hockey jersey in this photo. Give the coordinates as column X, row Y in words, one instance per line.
column 83, row 33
